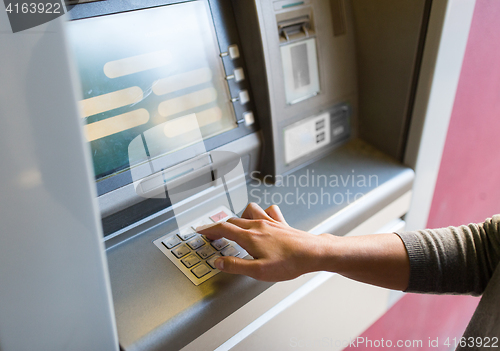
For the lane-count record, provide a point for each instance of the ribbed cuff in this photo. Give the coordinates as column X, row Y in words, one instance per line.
column 419, row 265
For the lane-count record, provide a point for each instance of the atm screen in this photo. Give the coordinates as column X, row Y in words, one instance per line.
column 149, row 73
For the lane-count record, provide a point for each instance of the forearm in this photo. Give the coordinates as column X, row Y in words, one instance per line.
column 379, row 259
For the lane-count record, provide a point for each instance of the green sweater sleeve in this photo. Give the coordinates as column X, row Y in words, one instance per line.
column 458, row 260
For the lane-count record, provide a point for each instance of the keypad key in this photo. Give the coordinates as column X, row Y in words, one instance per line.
column 181, row 251
column 219, row 216
column 230, row 251
column 171, row 242
column 207, row 239
column 186, row 233
column 219, row 244
column 205, row 252
column 190, row 261
column 196, row 243
column 211, row 261
column 200, row 270
column 200, row 223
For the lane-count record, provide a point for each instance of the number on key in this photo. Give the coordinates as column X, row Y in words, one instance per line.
column 196, row 243
column 219, row 244
column 190, row 261
column 171, row 242
column 206, row 252
column 186, row 234
column 181, row 251
column 230, row 251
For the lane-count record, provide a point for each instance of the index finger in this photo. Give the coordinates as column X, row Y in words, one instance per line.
column 225, row 230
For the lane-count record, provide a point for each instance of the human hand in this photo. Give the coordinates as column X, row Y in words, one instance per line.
column 280, row 252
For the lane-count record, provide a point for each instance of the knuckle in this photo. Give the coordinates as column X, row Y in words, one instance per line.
column 261, row 223
column 275, row 207
column 253, row 206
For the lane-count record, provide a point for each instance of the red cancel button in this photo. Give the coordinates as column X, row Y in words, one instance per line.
column 218, row 216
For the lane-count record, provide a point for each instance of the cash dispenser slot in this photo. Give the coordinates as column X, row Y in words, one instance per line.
column 294, row 29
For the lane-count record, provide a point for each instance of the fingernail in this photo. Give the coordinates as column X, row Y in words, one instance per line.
column 205, row 226
column 219, row 263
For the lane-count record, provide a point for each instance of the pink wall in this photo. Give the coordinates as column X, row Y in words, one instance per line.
column 420, row 318
column 468, row 184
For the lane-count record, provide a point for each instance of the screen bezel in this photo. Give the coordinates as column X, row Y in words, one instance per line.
column 226, row 34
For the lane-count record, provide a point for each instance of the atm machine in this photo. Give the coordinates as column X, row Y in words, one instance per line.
column 191, row 109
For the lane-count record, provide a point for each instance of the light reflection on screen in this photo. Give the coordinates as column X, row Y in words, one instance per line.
column 149, row 68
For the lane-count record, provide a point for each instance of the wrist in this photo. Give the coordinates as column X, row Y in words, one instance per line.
column 324, row 253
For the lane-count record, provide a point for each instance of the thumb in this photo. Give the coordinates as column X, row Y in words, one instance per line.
column 237, row 265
